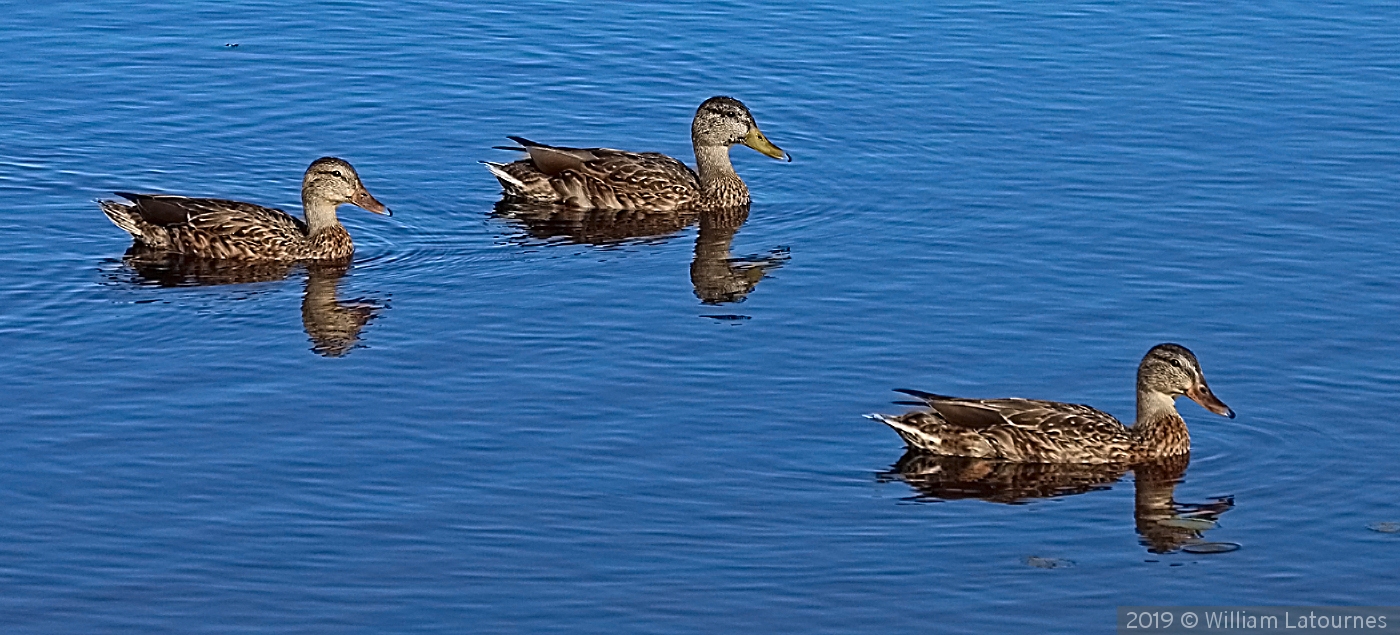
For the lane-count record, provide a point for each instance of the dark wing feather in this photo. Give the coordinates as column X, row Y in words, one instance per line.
column 555, row 161
column 926, row 396
column 158, row 209
column 555, row 153
column 968, row 414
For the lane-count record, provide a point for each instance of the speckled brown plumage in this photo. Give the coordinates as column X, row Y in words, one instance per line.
column 1027, row 430
column 614, row 179
column 234, row 230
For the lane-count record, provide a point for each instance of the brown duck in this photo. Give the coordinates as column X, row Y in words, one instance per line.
column 233, row 230
column 613, row 179
column 1033, row 431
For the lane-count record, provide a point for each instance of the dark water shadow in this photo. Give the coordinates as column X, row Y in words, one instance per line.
column 717, row 276
column 1163, row 524
column 332, row 324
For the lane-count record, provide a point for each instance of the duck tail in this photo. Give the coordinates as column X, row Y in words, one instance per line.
column 891, row 422
column 914, row 438
column 130, row 220
column 507, row 180
column 123, row 216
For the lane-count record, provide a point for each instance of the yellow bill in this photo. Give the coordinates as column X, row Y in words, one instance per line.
column 755, row 139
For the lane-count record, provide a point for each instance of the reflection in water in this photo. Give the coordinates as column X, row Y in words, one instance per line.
column 718, row 278
column 956, row 477
column 1163, row 524
column 332, row 324
column 543, row 221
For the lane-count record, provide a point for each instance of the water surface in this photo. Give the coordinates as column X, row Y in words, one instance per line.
column 501, row 423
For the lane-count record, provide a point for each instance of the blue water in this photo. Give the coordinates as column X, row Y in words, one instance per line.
column 500, row 424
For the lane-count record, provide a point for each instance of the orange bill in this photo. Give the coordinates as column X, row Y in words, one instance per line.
column 1201, row 394
column 366, row 201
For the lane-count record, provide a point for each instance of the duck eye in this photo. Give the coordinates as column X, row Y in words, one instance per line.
column 337, row 174
column 1176, row 363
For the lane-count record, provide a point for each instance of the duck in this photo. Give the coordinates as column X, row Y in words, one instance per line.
column 1033, row 431
column 233, row 230
column 603, row 178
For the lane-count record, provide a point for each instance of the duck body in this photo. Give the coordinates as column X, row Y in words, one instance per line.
column 233, row 230
column 605, row 178
column 222, row 229
column 600, row 178
column 1022, row 430
column 1035, row 431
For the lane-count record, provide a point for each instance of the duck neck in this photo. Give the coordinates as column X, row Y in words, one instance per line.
column 1159, row 428
column 717, row 176
column 320, row 215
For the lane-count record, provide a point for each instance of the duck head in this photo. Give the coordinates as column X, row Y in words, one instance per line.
column 1172, row 370
column 333, row 181
column 726, row 122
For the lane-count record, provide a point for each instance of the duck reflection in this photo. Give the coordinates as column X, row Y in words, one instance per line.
column 599, row 227
column 717, row 276
column 332, row 324
column 1163, row 524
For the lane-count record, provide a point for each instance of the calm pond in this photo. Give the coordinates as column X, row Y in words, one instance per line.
column 499, row 419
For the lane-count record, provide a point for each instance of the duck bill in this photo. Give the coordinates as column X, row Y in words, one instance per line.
column 1201, row 394
column 366, row 201
column 755, row 139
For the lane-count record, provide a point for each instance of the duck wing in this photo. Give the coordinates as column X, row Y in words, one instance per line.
column 1013, row 429
column 553, row 160
column 209, row 227
column 977, row 414
column 596, row 177
column 166, row 210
